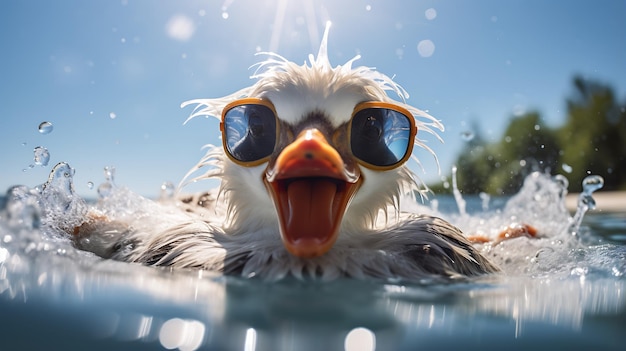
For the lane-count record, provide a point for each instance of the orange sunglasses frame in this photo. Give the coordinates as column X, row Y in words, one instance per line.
column 357, row 108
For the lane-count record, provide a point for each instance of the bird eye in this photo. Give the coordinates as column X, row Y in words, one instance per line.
column 249, row 132
column 256, row 125
column 380, row 136
column 372, row 128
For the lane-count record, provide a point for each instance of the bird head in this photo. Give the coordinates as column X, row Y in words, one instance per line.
column 312, row 150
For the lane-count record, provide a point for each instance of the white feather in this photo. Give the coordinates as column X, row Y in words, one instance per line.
column 241, row 234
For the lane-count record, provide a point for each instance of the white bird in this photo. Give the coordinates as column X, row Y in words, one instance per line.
column 312, row 169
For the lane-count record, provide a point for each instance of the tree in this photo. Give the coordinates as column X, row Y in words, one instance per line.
column 592, row 141
column 593, row 137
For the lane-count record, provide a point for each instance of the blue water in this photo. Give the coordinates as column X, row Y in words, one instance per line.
column 563, row 290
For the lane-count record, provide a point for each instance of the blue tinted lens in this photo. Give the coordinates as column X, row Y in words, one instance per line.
column 250, row 132
column 380, row 136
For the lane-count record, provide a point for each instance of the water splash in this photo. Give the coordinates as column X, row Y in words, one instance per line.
column 22, row 210
column 105, row 189
column 62, row 207
column 41, row 156
column 485, row 198
column 585, row 200
column 457, row 194
column 45, row 127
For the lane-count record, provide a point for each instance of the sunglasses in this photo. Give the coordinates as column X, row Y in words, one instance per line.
column 381, row 135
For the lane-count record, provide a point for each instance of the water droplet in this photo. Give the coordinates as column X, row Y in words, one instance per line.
column 90, row 185
column 109, row 174
column 225, row 15
column 430, row 14
column 167, row 191
column 467, row 135
column 426, row 48
column 537, row 127
column 567, row 168
column 592, row 183
column 42, row 156
column 45, row 127
column 508, row 139
column 112, row 115
column 368, row 7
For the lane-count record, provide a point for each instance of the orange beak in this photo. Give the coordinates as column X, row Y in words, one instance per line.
column 311, row 190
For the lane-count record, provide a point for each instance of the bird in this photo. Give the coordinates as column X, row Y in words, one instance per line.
column 312, row 169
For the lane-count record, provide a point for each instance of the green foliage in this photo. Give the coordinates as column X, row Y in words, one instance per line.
column 592, row 141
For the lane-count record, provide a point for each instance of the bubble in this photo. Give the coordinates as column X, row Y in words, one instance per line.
column 567, row 168
column 467, row 135
column 45, row 127
column 426, row 48
column 368, row 7
column 90, row 185
column 112, row 115
column 430, row 14
column 225, row 15
column 41, row 156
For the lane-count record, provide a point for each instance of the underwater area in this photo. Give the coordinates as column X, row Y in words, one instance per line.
column 562, row 288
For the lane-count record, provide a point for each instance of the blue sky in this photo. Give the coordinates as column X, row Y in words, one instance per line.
column 110, row 74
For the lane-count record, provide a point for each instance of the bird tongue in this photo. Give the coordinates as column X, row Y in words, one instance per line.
column 311, row 189
column 309, row 215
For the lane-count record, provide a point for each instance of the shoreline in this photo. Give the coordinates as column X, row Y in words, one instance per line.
column 606, row 201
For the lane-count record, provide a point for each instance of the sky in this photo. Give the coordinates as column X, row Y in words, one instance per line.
column 110, row 75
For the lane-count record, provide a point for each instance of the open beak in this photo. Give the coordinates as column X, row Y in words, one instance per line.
column 311, row 189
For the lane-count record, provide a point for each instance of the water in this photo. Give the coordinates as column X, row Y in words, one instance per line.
column 41, row 156
column 45, row 127
column 562, row 289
